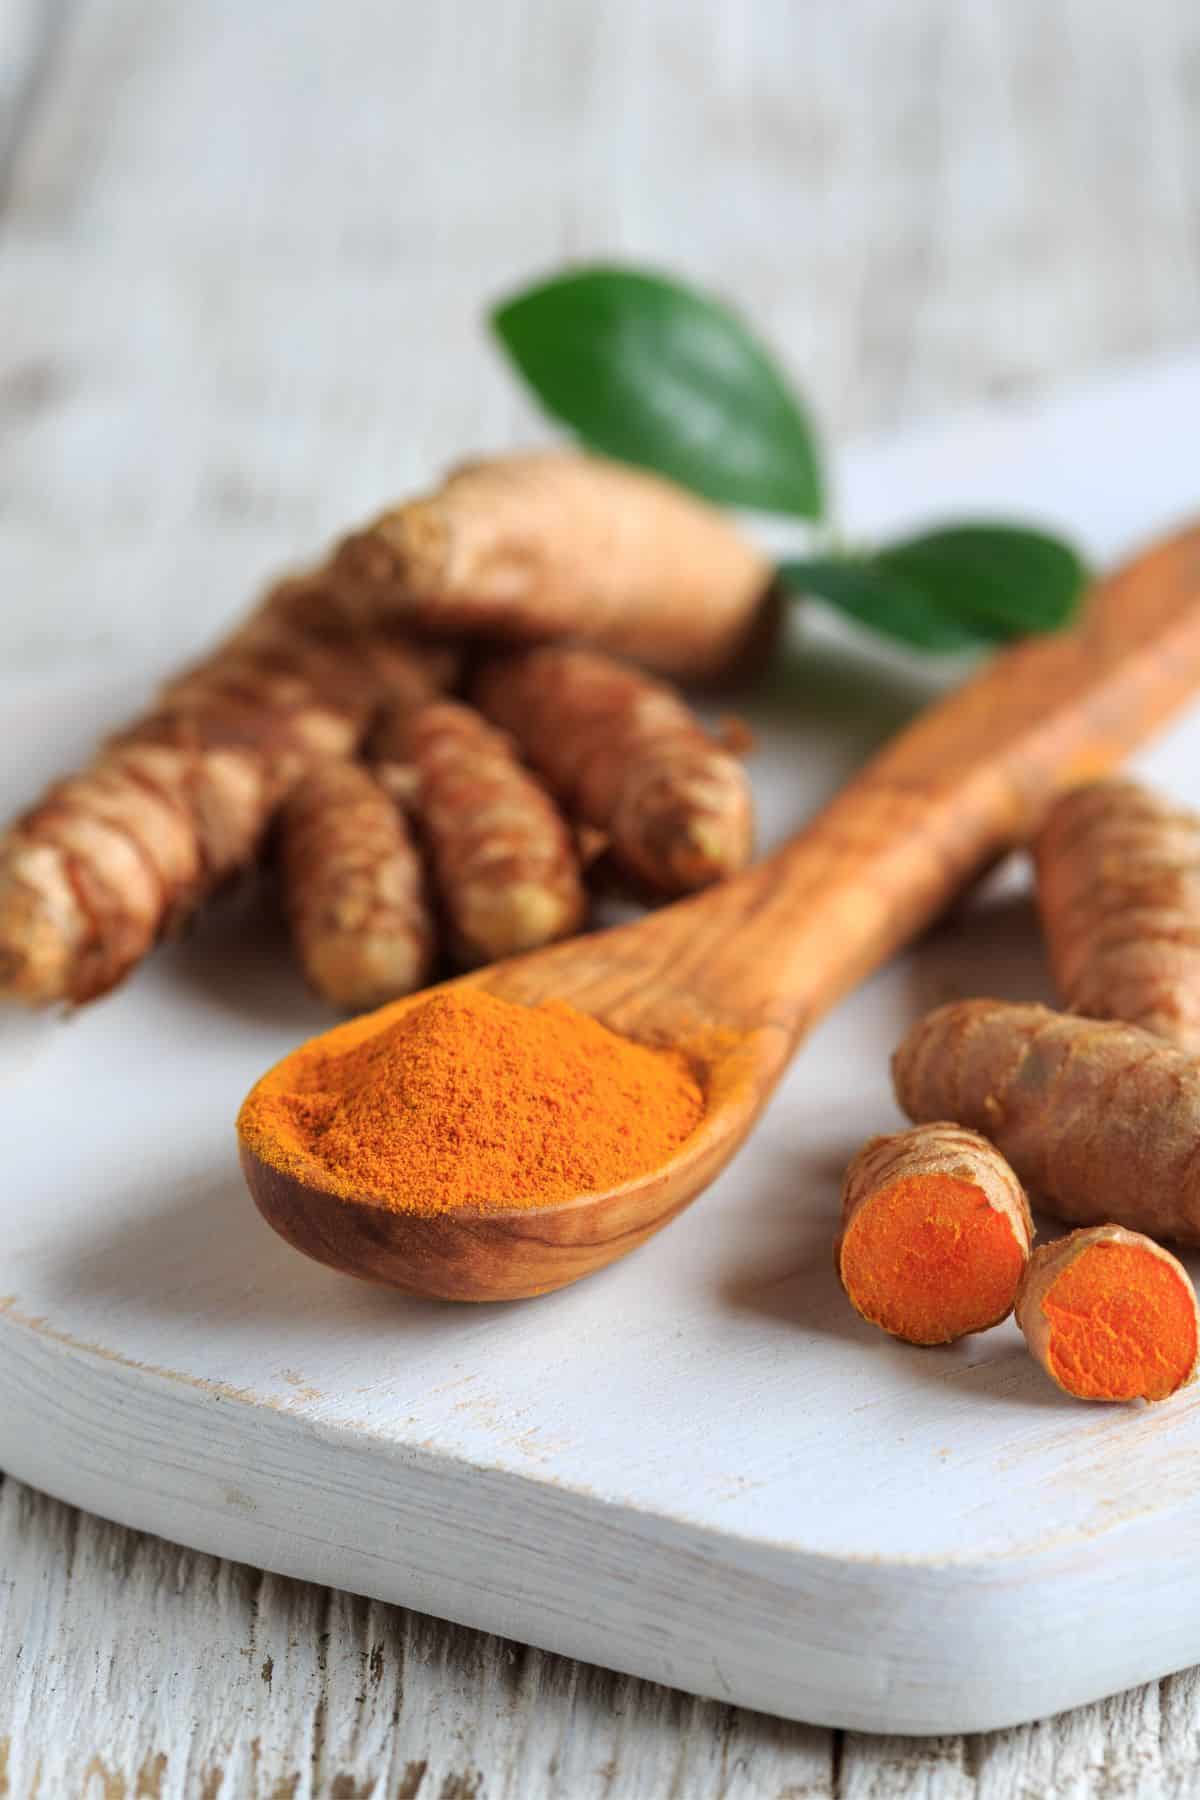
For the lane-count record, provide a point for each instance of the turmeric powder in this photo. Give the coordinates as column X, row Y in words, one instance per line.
column 935, row 1234
column 506, row 871
column 1100, row 1120
column 555, row 545
column 626, row 757
column 111, row 858
column 459, row 1100
column 1110, row 1315
column 354, row 888
column 1119, row 891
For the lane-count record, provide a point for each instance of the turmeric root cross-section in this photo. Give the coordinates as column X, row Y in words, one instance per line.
column 935, row 1234
column 1110, row 1315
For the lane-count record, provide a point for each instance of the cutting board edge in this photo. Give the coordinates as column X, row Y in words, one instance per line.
column 921, row 1647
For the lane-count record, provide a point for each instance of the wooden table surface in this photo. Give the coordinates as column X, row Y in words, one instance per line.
column 243, row 254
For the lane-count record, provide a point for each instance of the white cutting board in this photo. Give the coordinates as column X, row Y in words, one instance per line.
column 697, row 1466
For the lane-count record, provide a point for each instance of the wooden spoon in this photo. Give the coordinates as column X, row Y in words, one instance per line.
column 737, row 975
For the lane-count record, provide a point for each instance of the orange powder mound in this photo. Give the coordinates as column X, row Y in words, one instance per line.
column 1122, row 1325
column 928, row 1259
column 458, row 1099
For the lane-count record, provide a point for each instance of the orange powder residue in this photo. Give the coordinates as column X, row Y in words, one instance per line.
column 928, row 1259
column 458, row 1099
column 1122, row 1325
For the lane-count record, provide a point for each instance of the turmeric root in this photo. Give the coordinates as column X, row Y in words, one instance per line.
column 935, row 1234
column 1119, row 891
column 625, row 756
column 558, row 545
column 505, row 869
column 110, row 858
column 1110, row 1315
column 353, row 888
column 1101, row 1121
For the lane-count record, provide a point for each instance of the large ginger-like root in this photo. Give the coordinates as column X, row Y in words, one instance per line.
column 556, row 545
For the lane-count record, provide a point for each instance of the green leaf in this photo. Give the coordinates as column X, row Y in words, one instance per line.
column 881, row 600
column 950, row 589
column 655, row 373
column 1004, row 580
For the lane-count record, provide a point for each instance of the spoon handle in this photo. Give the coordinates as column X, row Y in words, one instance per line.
column 966, row 782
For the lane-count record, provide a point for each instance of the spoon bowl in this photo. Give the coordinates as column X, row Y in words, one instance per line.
column 515, row 1252
column 734, row 977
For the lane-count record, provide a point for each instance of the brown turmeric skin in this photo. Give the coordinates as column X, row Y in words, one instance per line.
column 354, row 888
column 1119, row 891
column 1100, row 1120
column 1110, row 1315
column 459, row 1100
column 553, row 545
column 505, row 868
column 112, row 857
column 628, row 758
column 935, row 1234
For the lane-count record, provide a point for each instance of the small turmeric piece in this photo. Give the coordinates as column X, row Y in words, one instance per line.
column 505, row 868
column 1110, row 1315
column 1118, row 873
column 353, row 888
column 1100, row 1120
column 555, row 545
column 626, row 757
column 111, row 858
column 935, row 1234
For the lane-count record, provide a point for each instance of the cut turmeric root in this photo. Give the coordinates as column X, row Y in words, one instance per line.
column 1110, row 1315
column 504, row 865
column 353, row 888
column 555, row 545
column 1119, row 891
column 1101, row 1121
column 935, row 1234
column 95, row 873
column 627, row 758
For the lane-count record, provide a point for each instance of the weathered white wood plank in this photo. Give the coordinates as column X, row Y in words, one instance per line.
column 244, row 266
column 131, row 1668
column 30, row 34
column 1142, row 1745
